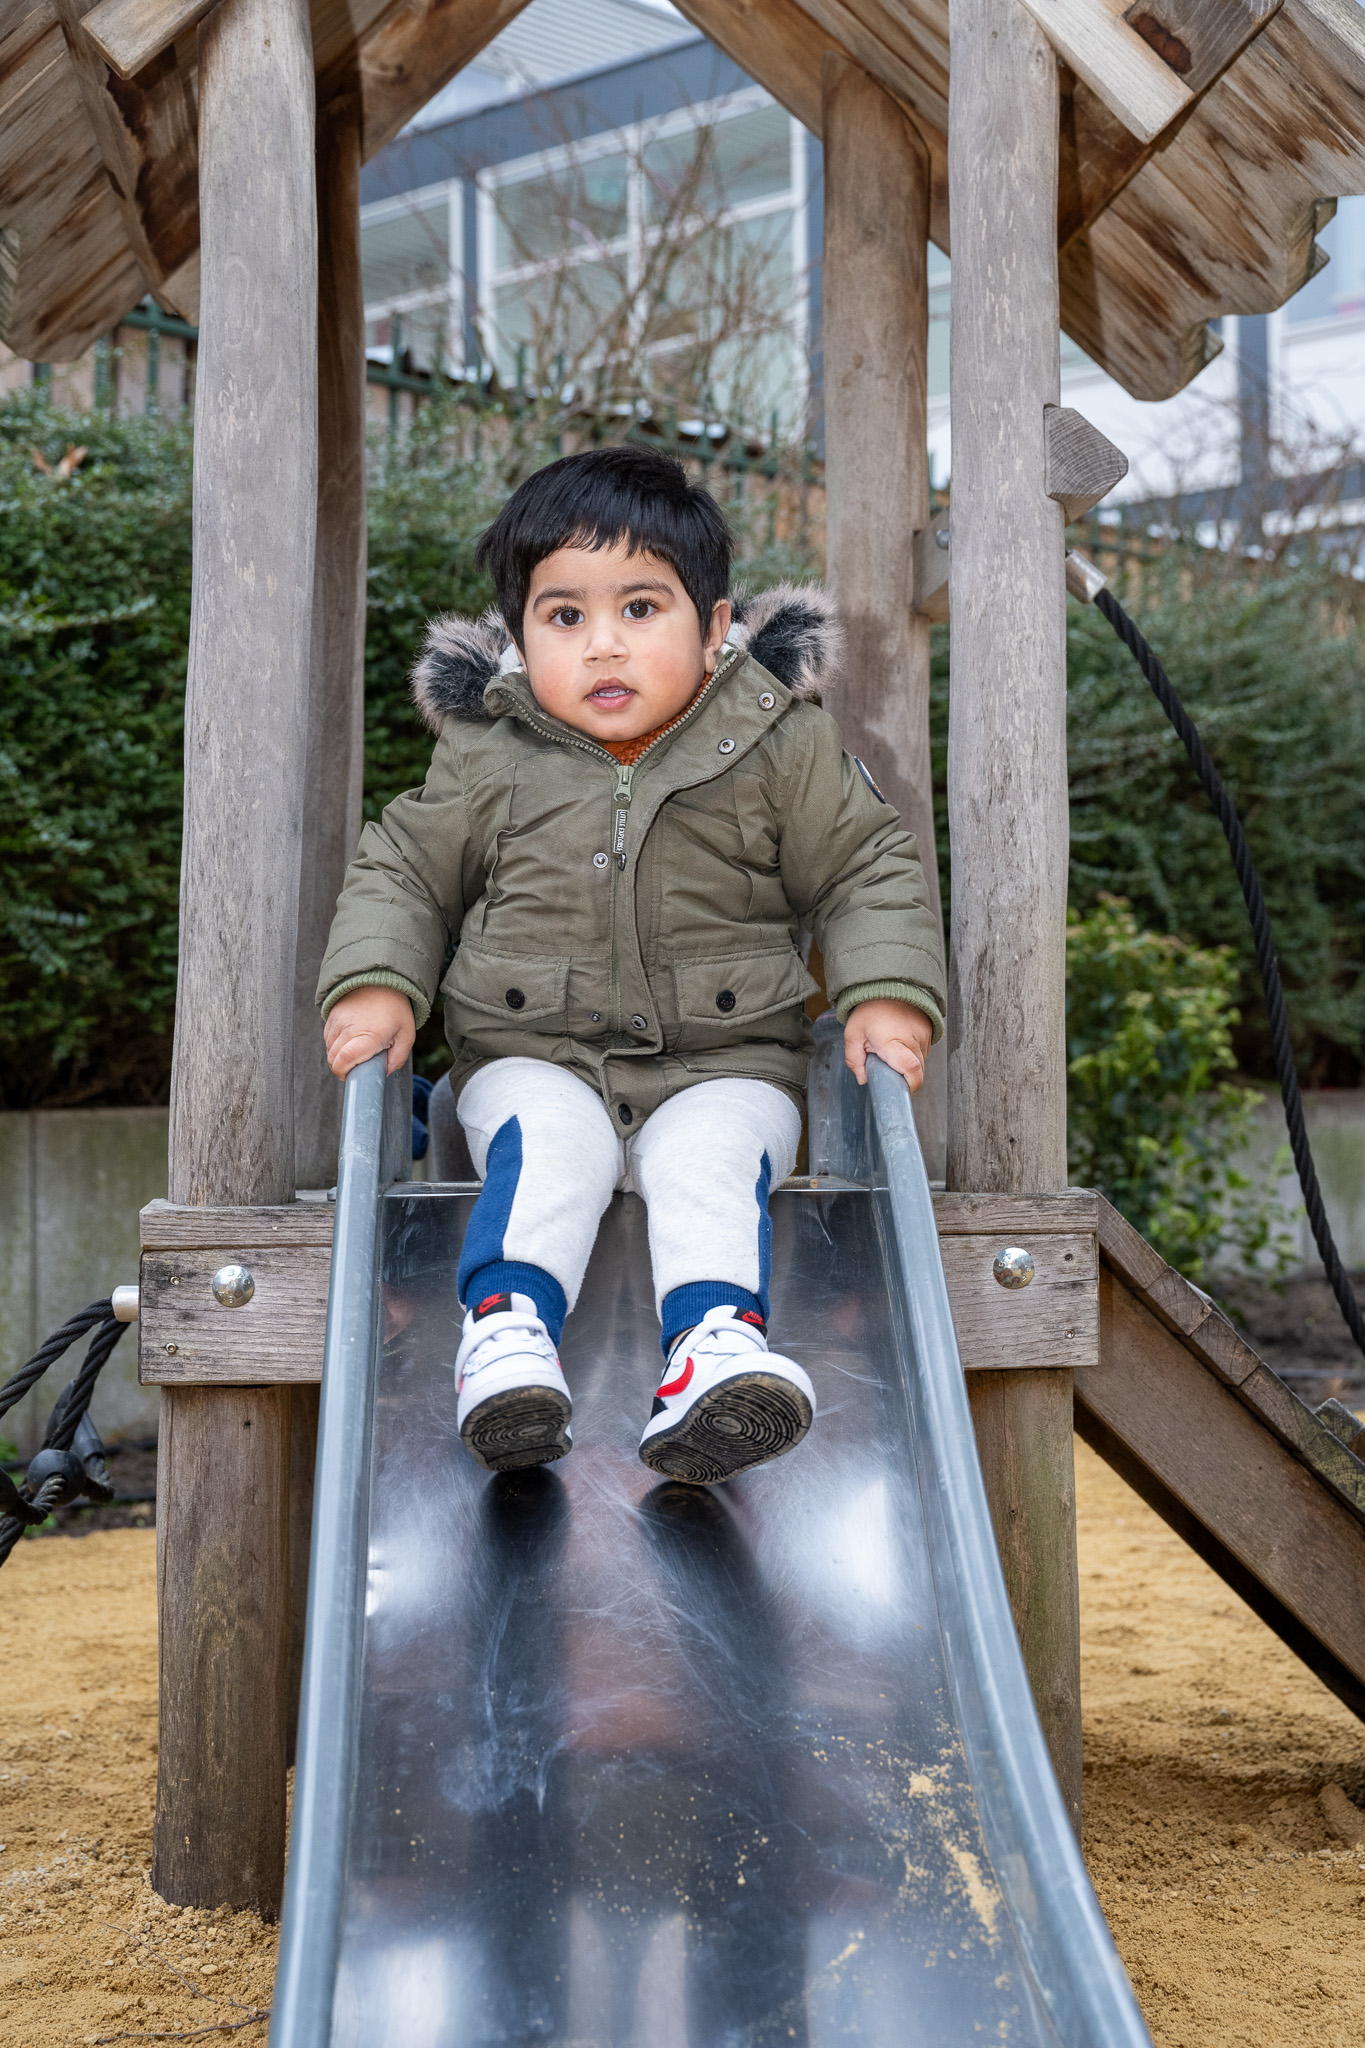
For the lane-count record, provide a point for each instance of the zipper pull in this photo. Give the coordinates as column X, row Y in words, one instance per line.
column 621, row 797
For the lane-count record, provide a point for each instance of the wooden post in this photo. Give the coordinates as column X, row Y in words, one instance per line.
column 223, row 1528
column 1007, row 786
column 876, row 336
column 336, row 696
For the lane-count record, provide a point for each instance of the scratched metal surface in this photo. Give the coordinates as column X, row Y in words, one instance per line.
column 645, row 1764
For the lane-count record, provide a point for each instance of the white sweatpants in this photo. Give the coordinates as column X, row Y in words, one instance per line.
column 549, row 1155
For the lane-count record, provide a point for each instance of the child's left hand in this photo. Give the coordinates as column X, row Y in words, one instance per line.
column 897, row 1032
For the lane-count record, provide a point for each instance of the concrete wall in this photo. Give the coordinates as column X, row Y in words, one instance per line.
column 1335, row 1121
column 71, row 1184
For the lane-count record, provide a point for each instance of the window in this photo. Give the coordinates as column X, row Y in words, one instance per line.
column 1338, row 290
column 410, row 260
column 669, row 256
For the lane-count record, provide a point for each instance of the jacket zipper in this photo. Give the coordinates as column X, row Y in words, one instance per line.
column 620, row 797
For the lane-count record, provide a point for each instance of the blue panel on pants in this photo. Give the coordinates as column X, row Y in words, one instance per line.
column 493, row 1210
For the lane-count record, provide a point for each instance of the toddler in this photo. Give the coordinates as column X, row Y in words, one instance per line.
column 635, row 807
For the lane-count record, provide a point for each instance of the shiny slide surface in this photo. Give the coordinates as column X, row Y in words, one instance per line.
column 625, row 1764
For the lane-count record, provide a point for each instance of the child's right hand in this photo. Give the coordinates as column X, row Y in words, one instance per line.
column 367, row 1021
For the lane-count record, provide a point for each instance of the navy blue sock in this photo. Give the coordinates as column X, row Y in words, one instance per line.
column 508, row 1276
column 684, row 1307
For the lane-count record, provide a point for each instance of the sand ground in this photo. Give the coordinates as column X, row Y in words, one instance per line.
column 1240, row 1917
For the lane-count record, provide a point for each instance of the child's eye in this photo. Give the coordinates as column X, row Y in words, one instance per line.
column 640, row 608
column 567, row 615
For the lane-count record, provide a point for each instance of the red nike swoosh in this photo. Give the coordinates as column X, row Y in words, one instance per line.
column 676, row 1386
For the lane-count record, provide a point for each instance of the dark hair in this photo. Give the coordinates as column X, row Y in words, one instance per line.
column 596, row 499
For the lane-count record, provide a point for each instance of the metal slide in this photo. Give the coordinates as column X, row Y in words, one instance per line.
column 589, row 1759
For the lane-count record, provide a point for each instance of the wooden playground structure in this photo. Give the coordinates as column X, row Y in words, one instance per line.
column 1132, row 175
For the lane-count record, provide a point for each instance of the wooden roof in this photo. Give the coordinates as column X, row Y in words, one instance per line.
column 1204, row 143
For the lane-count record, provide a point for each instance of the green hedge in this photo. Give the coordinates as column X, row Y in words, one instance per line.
column 94, row 616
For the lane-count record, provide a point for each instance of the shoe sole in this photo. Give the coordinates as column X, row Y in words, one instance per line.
column 519, row 1427
column 742, row 1422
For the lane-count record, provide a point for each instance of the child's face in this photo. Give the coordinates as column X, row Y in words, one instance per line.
column 612, row 643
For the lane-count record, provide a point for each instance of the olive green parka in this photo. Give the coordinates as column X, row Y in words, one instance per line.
column 641, row 926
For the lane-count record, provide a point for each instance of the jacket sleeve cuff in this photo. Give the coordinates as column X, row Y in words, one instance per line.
column 380, row 978
column 890, row 991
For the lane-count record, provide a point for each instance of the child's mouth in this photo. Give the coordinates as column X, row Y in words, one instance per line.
column 610, row 694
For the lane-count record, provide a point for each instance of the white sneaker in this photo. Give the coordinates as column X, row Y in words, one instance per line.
column 513, row 1403
column 726, row 1403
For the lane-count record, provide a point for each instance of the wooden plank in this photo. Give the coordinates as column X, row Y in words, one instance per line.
column 1007, row 792
column 170, row 1226
column 1115, row 62
column 876, row 338
column 1224, row 1468
column 185, row 1337
column 73, row 281
column 224, row 1524
column 1018, row 1217
column 1023, row 1434
column 223, row 1613
column 146, row 131
column 129, row 33
column 1081, row 465
column 336, row 689
column 1054, row 1321
column 303, row 1451
column 1198, row 39
column 414, row 51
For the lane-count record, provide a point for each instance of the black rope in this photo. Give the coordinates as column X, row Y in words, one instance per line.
column 71, row 1461
column 1156, row 675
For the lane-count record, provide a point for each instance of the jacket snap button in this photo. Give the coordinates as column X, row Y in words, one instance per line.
column 594, row 1016
column 515, row 999
column 726, row 747
column 726, row 999
column 601, row 860
column 767, row 701
column 639, row 1023
column 626, row 1113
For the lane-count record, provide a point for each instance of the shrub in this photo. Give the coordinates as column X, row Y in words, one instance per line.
column 94, row 624
column 1152, row 1119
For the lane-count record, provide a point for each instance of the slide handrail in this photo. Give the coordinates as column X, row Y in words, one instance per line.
column 329, row 1705
column 1028, row 1833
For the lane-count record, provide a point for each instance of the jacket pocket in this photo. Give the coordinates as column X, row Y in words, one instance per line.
column 484, row 986
column 731, row 994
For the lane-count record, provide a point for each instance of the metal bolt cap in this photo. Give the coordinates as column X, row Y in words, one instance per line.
column 123, row 1301
column 1013, row 1267
column 233, row 1286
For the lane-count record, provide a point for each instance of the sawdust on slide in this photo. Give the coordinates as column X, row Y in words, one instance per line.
column 1240, row 1916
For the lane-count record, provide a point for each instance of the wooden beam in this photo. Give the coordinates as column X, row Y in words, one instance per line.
column 1206, row 1462
column 223, row 1528
column 876, row 339
column 129, row 33
column 1007, row 788
column 1115, row 62
column 146, row 131
column 336, row 690
column 407, row 59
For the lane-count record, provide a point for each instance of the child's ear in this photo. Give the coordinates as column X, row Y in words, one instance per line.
column 721, row 618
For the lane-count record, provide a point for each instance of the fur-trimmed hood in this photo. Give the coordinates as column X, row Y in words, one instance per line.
column 792, row 629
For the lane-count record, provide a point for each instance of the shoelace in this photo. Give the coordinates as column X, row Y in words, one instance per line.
column 521, row 1335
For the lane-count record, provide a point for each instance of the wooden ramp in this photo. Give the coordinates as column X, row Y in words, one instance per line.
column 1185, row 1411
